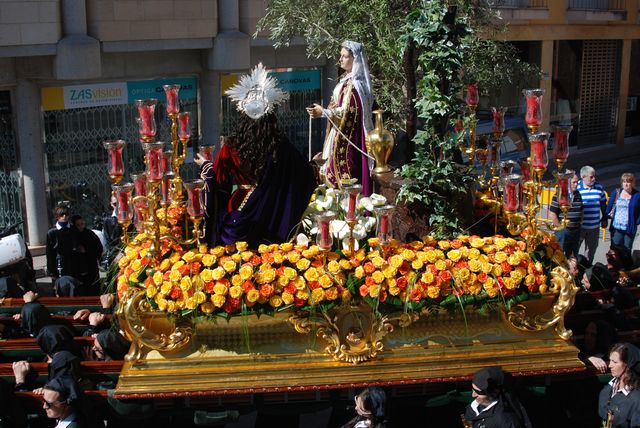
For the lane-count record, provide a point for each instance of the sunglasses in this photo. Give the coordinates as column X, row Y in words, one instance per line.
column 49, row 404
column 478, row 391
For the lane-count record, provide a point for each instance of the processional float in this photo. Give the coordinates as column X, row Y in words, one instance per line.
column 219, row 320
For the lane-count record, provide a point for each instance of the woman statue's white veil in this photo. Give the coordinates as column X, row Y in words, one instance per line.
column 361, row 81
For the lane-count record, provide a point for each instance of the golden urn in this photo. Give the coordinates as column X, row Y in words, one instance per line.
column 380, row 143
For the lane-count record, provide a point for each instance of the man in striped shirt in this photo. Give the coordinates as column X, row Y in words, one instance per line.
column 594, row 203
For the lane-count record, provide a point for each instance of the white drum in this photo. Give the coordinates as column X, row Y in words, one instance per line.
column 12, row 250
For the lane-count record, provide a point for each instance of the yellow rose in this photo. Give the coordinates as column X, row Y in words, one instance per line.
column 394, row 291
column 475, row 265
column 218, row 273
column 217, row 251
column 491, row 291
column 417, row 264
column 268, row 275
column 333, row 266
column 190, row 303
column 185, row 284
column 220, row 288
column 497, row 270
column 175, row 276
column 278, row 257
column 433, row 292
column 374, row 290
column 477, row 242
column 487, row 267
column 207, row 307
column 325, row 281
column 164, row 265
column 229, row 266
column 286, row 247
column 171, row 306
column 151, row 291
column 177, row 265
column 262, row 248
column 311, row 274
column 206, row 275
column 123, row 262
column 166, row 287
column 157, row 278
column 235, row 291
column 377, row 261
column 307, row 253
column 427, row 277
column 241, row 246
column 529, row 280
column 431, row 256
column 282, row 281
column 300, row 283
column 199, row 297
column 373, row 242
column 514, row 260
column 293, row 257
column 396, row 261
column 290, row 273
column 440, row 265
column 236, row 280
column 162, row 304
column 134, row 278
column 331, row 293
column 303, row 264
column 275, row 301
column 501, row 257
column 473, row 253
column 246, row 272
column 287, row 298
column 510, row 283
column 317, row 296
column 345, row 264
column 252, row 295
column 445, row 245
column 218, row 300
column 377, row 277
column 408, row 255
column 475, row 288
column 136, row 265
column 462, row 274
column 188, row 256
column 208, row 260
column 304, row 294
column 359, row 272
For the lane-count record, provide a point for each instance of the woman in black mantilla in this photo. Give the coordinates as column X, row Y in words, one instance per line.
column 259, row 185
column 620, row 398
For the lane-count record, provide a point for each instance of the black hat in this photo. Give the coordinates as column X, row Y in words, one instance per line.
column 489, row 380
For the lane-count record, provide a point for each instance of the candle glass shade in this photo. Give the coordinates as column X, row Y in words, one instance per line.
column 384, row 230
column 153, row 154
column 167, row 156
column 563, row 189
column 140, row 207
column 195, row 207
column 494, row 154
column 166, row 186
column 184, row 130
column 512, row 191
column 171, row 92
column 323, row 238
column 525, row 168
column 472, row 99
column 140, row 183
column 497, row 113
column 124, row 210
column 539, row 155
column 561, row 143
column 351, row 192
column 533, row 117
column 146, row 118
column 115, row 150
column 206, row 152
column 506, row 168
column 482, row 156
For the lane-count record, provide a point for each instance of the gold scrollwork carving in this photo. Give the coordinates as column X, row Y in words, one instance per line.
column 132, row 305
column 562, row 282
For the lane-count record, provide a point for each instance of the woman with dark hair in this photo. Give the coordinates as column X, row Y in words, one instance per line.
column 259, row 185
column 624, row 211
column 493, row 405
column 619, row 401
column 87, row 251
column 598, row 338
column 371, row 407
column 110, row 345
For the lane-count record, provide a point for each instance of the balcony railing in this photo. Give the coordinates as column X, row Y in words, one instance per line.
column 521, row 4
column 605, row 5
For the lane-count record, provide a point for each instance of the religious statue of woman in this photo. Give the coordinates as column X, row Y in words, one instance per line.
column 259, row 185
column 349, row 120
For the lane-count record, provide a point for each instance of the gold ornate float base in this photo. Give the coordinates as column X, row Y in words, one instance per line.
column 250, row 355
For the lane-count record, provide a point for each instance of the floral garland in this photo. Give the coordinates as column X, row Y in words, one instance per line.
column 230, row 280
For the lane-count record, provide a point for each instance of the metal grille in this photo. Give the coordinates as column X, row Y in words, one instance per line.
column 10, row 210
column 597, row 4
column 292, row 118
column 520, row 4
column 599, row 90
column 76, row 159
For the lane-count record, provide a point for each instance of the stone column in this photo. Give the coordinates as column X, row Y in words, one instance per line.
column 78, row 55
column 231, row 47
column 625, row 68
column 30, row 148
column 210, row 106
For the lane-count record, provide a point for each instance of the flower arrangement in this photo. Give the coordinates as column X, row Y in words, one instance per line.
column 232, row 280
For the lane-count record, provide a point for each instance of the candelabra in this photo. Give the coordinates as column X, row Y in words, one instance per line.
column 160, row 188
column 472, row 100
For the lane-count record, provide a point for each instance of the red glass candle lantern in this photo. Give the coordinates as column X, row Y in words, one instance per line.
column 494, row 148
column 384, row 230
column 351, row 192
column 166, row 186
column 153, row 154
column 140, row 207
column 525, row 168
column 195, row 208
column 323, row 238
column 171, row 92
column 206, row 152
column 140, row 183
column 115, row 150
column 561, row 144
column 533, row 117
column 124, row 210
column 506, row 167
column 146, row 118
column 565, row 195
column 482, row 155
column 539, row 156
column 497, row 113
column 167, row 157
column 184, row 130
column 473, row 98
column 511, row 197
